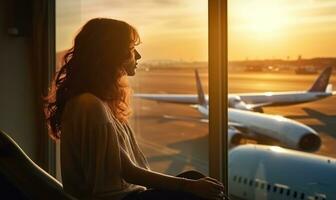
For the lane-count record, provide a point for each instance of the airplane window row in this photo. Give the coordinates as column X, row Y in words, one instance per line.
column 281, row 189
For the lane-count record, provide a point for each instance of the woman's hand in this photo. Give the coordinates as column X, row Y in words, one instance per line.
column 207, row 188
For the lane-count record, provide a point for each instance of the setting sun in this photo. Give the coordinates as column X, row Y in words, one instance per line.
column 267, row 18
column 262, row 18
column 282, row 29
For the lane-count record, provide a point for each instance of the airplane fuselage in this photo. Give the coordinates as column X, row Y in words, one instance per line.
column 258, row 172
column 288, row 132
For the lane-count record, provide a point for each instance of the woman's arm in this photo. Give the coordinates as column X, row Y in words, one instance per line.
column 206, row 187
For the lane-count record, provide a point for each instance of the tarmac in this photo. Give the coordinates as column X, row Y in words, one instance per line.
column 173, row 139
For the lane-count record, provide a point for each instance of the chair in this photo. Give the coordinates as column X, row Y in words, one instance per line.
column 21, row 178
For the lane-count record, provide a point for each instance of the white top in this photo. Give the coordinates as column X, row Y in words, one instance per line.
column 91, row 140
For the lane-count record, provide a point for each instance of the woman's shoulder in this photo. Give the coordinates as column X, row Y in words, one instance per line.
column 87, row 99
column 87, row 102
column 87, row 105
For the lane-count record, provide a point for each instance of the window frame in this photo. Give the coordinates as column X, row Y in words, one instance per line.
column 44, row 59
column 218, row 60
column 51, row 145
column 51, row 42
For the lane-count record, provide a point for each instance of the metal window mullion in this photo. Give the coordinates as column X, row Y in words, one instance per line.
column 218, row 157
column 49, row 74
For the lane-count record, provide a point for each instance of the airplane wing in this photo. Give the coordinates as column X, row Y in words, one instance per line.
column 185, row 118
column 252, row 101
column 258, row 105
column 170, row 98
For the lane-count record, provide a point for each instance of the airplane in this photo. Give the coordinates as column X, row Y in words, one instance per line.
column 256, row 101
column 261, row 127
column 268, row 128
column 260, row 172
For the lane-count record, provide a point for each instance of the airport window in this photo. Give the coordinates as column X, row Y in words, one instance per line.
column 272, row 42
column 275, row 188
column 234, row 178
column 281, row 190
column 262, row 185
column 295, row 194
column 170, row 45
column 239, row 179
column 302, row 195
column 288, row 192
column 268, row 187
column 256, row 184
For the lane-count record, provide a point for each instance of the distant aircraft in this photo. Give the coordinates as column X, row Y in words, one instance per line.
column 256, row 101
column 259, row 172
column 258, row 126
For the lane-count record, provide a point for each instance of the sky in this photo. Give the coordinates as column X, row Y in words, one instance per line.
column 177, row 29
column 266, row 29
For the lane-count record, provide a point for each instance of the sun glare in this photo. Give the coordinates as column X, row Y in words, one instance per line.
column 265, row 18
column 277, row 149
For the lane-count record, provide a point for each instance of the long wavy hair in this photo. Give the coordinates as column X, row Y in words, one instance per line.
column 94, row 64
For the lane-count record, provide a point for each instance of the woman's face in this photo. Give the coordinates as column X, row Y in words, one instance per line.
column 131, row 64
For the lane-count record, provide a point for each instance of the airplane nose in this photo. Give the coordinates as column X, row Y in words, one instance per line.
column 310, row 142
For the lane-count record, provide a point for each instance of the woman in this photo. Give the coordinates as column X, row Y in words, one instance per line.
column 88, row 112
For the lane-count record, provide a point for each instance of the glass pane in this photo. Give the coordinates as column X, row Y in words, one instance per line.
column 281, row 57
column 173, row 44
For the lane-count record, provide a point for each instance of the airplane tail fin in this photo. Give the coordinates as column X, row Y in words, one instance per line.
column 200, row 92
column 321, row 83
